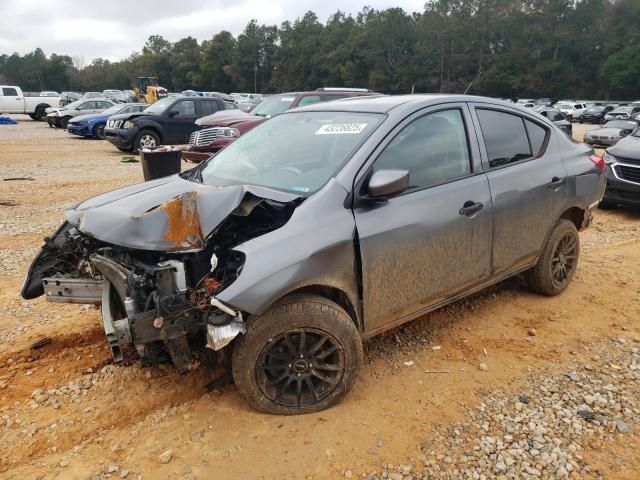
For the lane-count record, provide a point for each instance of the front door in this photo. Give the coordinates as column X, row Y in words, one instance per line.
column 181, row 122
column 434, row 240
column 11, row 101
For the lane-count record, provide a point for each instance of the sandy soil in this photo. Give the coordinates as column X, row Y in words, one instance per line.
column 125, row 416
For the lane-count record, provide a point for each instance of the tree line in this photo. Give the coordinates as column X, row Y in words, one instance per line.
column 501, row 48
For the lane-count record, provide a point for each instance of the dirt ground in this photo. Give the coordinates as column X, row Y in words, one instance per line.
column 66, row 412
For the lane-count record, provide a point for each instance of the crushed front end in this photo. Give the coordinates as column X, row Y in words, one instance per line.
column 161, row 303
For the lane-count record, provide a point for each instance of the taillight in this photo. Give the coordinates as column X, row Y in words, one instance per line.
column 599, row 161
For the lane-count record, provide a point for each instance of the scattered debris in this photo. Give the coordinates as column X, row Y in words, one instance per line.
column 166, row 456
column 409, row 363
column 532, row 332
column 129, row 160
column 483, row 367
column 41, row 343
column 8, row 203
column 18, row 178
column 436, row 348
column 437, row 371
column 621, row 426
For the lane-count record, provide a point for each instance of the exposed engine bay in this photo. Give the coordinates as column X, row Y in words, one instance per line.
column 162, row 303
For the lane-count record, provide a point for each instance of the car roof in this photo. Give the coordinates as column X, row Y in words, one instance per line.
column 386, row 103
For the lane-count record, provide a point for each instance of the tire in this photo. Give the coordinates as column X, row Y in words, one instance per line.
column 98, row 131
column 146, row 139
column 558, row 260
column 328, row 337
column 33, row 116
column 39, row 114
column 64, row 121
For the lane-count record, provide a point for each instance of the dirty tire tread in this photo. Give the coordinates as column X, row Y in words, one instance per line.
column 294, row 312
column 539, row 278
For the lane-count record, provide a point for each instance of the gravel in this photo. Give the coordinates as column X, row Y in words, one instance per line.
column 540, row 433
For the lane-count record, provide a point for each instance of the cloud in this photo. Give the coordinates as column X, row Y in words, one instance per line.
column 117, row 28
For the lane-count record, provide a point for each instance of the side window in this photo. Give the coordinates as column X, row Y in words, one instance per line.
column 504, row 137
column 433, row 149
column 230, row 106
column 309, row 100
column 185, row 108
column 87, row 106
column 9, row 92
column 208, row 107
column 104, row 105
column 537, row 136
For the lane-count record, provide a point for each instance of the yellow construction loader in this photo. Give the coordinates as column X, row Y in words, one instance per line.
column 148, row 90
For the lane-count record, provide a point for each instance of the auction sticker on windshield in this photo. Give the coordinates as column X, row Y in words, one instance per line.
column 341, row 128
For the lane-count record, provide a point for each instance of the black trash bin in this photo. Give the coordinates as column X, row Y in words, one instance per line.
column 160, row 163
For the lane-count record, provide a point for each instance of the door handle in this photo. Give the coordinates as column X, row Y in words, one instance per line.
column 469, row 208
column 556, row 182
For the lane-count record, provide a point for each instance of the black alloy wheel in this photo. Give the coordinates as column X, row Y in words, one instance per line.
column 564, row 260
column 300, row 367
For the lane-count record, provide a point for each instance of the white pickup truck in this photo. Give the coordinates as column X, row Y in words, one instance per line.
column 12, row 100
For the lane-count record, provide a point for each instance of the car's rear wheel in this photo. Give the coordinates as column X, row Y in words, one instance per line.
column 146, row 139
column 558, row 260
column 301, row 356
column 98, row 131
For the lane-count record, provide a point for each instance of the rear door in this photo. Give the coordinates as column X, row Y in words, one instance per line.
column 434, row 240
column 528, row 183
column 11, row 101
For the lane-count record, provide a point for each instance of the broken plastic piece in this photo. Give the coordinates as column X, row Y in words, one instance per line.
column 219, row 337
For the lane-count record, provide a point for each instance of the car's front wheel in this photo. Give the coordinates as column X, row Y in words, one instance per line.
column 98, row 132
column 146, row 139
column 300, row 356
column 558, row 260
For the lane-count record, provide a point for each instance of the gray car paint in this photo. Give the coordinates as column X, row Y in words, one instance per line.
column 444, row 256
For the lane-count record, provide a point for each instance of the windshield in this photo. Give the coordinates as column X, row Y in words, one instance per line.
column 160, row 106
column 72, row 105
column 562, row 106
column 113, row 110
column 274, row 105
column 594, row 109
column 620, row 124
column 621, row 110
column 297, row 152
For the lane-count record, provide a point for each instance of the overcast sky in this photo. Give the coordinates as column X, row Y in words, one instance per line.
column 113, row 29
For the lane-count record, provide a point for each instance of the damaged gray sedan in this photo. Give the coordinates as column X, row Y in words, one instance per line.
column 322, row 227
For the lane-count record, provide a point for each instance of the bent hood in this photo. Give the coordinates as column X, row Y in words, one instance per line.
column 168, row 214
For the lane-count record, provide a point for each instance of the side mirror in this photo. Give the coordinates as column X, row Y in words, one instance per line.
column 387, row 183
column 173, row 113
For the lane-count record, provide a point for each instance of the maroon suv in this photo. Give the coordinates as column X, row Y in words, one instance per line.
column 220, row 129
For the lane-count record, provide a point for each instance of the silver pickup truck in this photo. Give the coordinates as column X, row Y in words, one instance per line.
column 13, row 100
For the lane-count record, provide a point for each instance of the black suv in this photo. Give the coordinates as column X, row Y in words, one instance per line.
column 169, row 121
column 623, row 172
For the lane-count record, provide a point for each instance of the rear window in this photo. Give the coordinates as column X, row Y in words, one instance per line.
column 537, row 137
column 505, row 137
column 208, row 107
